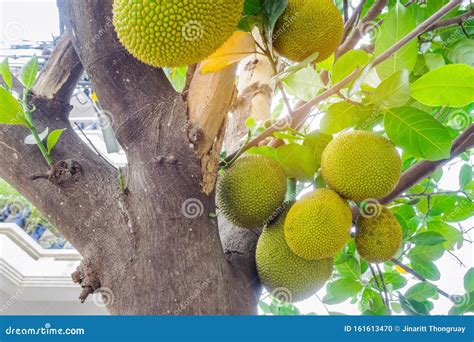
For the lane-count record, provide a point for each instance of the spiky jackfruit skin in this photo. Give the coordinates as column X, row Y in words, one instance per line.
column 318, row 225
column 307, row 27
column 251, row 190
column 379, row 238
column 283, row 273
column 173, row 33
column 361, row 165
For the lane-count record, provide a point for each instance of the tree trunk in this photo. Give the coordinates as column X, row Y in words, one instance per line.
column 151, row 247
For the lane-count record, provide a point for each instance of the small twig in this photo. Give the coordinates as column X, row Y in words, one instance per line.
column 434, row 194
column 455, row 257
column 345, row 98
column 325, row 307
column 356, row 35
column 460, row 19
column 419, row 277
column 379, row 287
column 345, row 5
column 353, row 19
column 387, row 301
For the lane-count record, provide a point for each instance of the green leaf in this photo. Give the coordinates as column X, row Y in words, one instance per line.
column 367, row 117
column 340, row 290
column 427, row 238
column 338, row 117
column 272, row 10
column 394, row 91
column 426, row 253
column 463, row 208
column 350, row 268
column 398, row 23
column 264, row 307
column 465, row 175
column 28, row 73
column 249, row 18
column 450, row 85
column 264, row 150
column 423, row 11
column 451, row 234
column 395, row 280
column 469, row 280
column 434, row 61
column 347, row 63
column 418, row 133
column 305, row 84
column 297, row 161
column 426, row 269
column 11, row 112
column 178, row 78
column 412, row 307
column 461, row 51
column 371, row 303
column 317, row 142
column 5, row 73
column 442, row 203
column 421, row 291
column 53, row 138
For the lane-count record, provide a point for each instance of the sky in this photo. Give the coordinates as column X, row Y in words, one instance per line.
column 37, row 20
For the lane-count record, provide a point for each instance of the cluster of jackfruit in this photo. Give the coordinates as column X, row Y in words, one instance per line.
column 363, row 166
column 296, row 249
column 175, row 32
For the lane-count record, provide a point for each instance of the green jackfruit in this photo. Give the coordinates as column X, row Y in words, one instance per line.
column 173, row 33
column 284, row 274
column 251, row 190
column 307, row 27
column 318, row 225
column 361, row 165
column 379, row 238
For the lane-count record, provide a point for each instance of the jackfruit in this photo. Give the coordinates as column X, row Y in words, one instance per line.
column 173, row 33
column 284, row 274
column 378, row 238
column 307, row 27
column 251, row 190
column 318, row 225
column 361, row 165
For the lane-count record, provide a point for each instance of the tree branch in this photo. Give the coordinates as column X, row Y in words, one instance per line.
column 356, row 35
column 419, row 277
column 209, row 100
column 460, row 19
column 353, row 19
column 345, row 6
column 59, row 78
column 423, row 169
